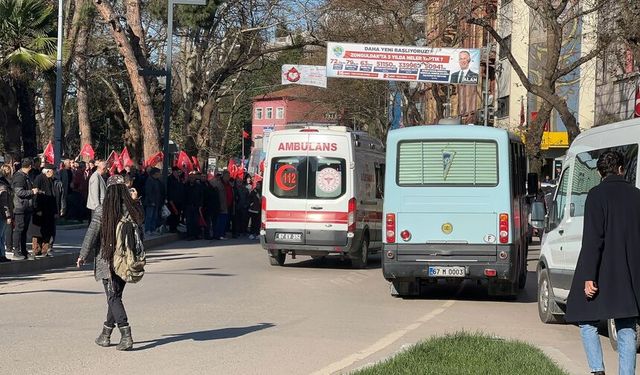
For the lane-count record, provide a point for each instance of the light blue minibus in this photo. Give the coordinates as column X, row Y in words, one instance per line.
column 455, row 208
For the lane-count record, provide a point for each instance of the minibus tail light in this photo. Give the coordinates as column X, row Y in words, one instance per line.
column 504, row 228
column 390, row 228
column 263, row 218
column 351, row 220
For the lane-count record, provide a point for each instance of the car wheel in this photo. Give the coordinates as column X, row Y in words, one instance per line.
column 546, row 300
column 277, row 259
column 363, row 258
column 613, row 335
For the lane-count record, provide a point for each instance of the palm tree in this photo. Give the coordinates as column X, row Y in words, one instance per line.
column 25, row 47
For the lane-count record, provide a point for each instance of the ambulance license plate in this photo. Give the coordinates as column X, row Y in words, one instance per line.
column 436, row 271
column 289, row 237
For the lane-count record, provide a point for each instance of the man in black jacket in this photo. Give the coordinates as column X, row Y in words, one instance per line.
column 606, row 282
column 24, row 192
column 175, row 199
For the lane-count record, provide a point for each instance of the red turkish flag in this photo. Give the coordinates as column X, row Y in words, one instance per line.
column 245, row 135
column 184, row 162
column 113, row 162
column 196, row 163
column 636, row 113
column 154, row 160
column 87, row 151
column 49, row 155
column 125, row 158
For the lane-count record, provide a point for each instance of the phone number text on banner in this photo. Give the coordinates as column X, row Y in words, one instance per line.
column 403, row 63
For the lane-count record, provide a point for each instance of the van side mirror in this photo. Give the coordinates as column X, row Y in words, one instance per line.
column 537, row 215
column 532, row 183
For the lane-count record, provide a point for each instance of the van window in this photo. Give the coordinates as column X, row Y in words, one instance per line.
column 314, row 177
column 327, row 177
column 561, row 198
column 586, row 176
column 288, row 177
column 447, row 163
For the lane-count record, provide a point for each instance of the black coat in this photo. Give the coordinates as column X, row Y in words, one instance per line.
column 45, row 209
column 610, row 254
column 22, row 194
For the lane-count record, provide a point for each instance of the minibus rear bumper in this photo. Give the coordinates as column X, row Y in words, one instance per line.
column 481, row 262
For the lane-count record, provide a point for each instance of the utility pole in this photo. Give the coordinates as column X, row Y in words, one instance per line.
column 57, row 128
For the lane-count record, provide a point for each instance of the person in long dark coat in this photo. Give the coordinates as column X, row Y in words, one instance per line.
column 45, row 212
column 606, row 283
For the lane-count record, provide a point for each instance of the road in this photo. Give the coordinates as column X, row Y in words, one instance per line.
column 222, row 309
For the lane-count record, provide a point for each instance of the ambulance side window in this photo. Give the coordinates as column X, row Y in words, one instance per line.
column 380, row 180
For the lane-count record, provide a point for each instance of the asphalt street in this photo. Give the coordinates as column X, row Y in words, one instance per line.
column 219, row 308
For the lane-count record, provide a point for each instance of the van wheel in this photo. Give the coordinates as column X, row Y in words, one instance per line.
column 613, row 335
column 277, row 259
column 546, row 300
column 363, row 259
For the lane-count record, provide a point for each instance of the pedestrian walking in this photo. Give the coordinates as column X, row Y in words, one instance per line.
column 97, row 186
column 193, row 205
column 23, row 194
column 100, row 240
column 42, row 229
column 6, row 210
column 175, row 199
column 606, row 282
column 225, row 196
column 152, row 200
column 255, row 211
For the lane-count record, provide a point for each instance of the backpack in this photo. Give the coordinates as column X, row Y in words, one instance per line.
column 129, row 257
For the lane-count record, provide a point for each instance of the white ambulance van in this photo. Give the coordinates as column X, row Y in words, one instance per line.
column 562, row 238
column 322, row 194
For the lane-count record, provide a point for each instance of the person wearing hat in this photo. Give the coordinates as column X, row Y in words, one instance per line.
column 100, row 240
column 46, row 209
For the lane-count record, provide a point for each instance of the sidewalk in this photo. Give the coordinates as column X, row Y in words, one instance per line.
column 66, row 250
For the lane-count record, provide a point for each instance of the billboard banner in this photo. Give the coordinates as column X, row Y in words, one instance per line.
column 309, row 75
column 403, row 63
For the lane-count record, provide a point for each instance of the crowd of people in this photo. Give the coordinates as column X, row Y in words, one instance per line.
column 34, row 196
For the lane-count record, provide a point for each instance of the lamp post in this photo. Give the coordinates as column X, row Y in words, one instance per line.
column 167, row 91
column 57, row 127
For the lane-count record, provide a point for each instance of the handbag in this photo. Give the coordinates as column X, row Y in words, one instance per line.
column 164, row 211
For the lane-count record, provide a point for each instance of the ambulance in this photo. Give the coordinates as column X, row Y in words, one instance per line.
column 322, row 194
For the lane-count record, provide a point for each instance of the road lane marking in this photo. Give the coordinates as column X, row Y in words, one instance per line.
column 383, row 342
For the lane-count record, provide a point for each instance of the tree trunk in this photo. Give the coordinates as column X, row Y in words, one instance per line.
column 84, row 123
column 27, row 116
column 48, row 99
column 9, row 122
column 151, row 143
column 533, row 138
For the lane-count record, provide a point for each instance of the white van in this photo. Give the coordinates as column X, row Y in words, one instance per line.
column 562, row 239
column 322, row 194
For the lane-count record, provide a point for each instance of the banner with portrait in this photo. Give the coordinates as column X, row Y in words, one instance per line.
column 403, row 63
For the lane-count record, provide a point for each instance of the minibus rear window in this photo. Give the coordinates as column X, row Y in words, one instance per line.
column 447, row 163
column 308, row 177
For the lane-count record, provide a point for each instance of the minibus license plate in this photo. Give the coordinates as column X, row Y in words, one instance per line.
column 446, row 271
column 289, row 237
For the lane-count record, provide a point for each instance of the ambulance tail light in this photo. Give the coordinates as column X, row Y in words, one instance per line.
column 263, row 216
column 351, row 220
column 503, row 226
column 390, row 228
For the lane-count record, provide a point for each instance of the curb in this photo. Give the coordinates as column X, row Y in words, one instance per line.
column 67, row 260
column 72, row 226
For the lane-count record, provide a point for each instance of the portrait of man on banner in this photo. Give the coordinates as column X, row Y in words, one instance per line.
column 465, row 74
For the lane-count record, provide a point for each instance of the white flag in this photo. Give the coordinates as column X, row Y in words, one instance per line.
column 309, row 75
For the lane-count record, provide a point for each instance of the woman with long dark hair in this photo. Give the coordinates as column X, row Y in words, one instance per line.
column 100, row 240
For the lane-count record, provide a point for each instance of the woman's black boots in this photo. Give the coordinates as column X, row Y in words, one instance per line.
column 104, row 339
column 126, row 341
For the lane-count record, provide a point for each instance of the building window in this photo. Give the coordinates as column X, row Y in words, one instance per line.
column 269, row 113
column 258, row 113
column 503, row 51
column 280, row 113
column 503, row 107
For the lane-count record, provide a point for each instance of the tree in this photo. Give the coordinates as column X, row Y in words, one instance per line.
column 556, row 20
column 24, row 46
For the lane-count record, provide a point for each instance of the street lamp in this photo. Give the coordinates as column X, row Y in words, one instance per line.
column 167, row 91
column 57, row 127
